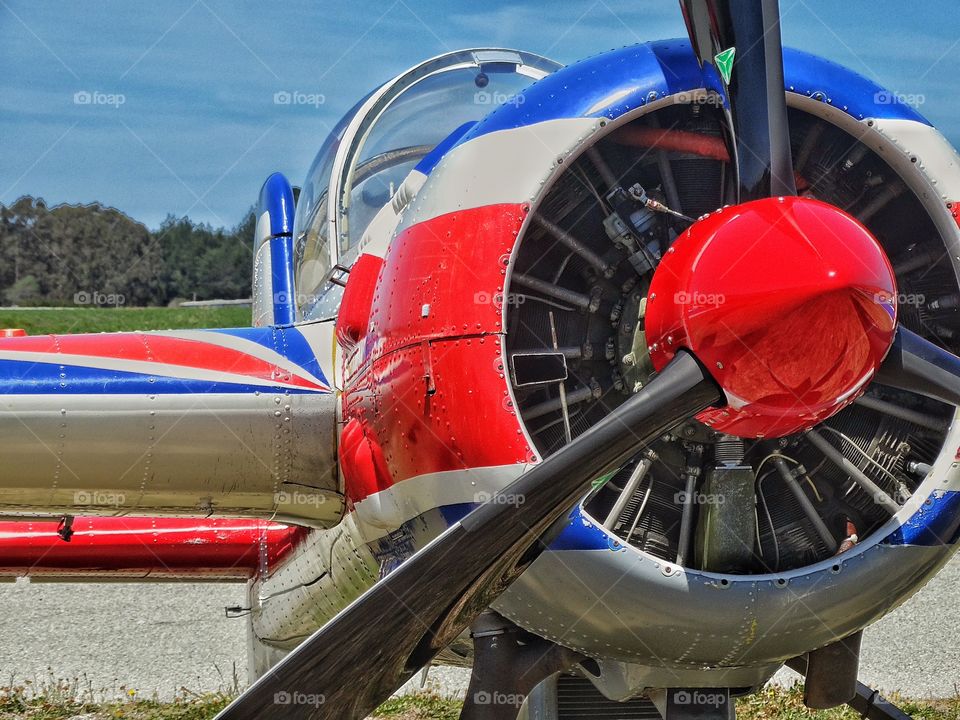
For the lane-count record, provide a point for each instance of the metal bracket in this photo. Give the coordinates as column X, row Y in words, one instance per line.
column 338, row 275
column 868, row 702
column 873, row 706
column 65, row 528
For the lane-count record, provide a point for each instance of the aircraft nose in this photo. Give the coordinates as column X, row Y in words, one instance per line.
column 790, row 304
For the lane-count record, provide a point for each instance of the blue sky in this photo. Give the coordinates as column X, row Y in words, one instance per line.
column 198, row 131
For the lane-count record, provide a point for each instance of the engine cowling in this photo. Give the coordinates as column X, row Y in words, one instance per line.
column 510, row 316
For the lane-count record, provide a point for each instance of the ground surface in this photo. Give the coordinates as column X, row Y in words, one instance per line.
column 159, row 638
column 771, row 704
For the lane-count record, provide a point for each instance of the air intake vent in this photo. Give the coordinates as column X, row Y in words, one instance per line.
column 578, row 698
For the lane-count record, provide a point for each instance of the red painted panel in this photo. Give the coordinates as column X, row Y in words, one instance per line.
column 467, row 422
column 790, row 303
column 434, row 395
column 354, row 314
column 142, row 547
column 442, row 276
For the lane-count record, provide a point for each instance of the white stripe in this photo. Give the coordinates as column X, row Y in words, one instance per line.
column 320, row 336
column 262, row 286
column 935, row 155
column 263, row 228
column 508, row 166
column 385, row 511
column 241, row 344
column 144, row 367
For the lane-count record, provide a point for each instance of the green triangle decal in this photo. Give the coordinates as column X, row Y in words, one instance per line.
column 725, row 63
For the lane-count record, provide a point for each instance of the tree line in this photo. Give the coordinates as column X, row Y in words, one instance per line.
column 91, row 254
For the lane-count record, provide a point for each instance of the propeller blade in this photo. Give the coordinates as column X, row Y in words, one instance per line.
column 919, row 366
column 738, row 43
column 358, row 659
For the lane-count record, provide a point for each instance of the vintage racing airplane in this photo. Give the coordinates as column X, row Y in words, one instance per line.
column 625, row 383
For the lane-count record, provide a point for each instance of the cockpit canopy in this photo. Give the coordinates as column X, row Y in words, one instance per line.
column 375, row 146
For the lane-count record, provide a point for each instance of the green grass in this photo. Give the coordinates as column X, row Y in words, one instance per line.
column 41, row 321
column 60, row 701
column 774, row 703
column 419, row 707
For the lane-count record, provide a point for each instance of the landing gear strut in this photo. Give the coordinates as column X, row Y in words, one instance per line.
column 508, row 665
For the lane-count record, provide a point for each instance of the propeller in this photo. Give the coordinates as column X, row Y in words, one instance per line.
column 738, row 44
column 917, row 365
column 353, row 663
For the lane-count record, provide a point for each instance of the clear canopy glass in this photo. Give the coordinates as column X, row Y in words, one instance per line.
column 375, row 146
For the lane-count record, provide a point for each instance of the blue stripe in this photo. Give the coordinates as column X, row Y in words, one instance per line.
column 579, row 533
column 616, row 82
column 452, row 514
column 287, row 341
column 392, row 550
column 606, row 85
column 937, row 522
column 281, row 268
column 18, row 377
column 276, row 199
column 814, row 76
column 430, row 160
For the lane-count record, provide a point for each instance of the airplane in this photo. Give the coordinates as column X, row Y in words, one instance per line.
column 625, row 383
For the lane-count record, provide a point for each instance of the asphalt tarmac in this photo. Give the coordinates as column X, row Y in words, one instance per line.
column 159, row 638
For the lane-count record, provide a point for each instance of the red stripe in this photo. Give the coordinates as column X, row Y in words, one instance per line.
column 156, row 349
column 169, row 547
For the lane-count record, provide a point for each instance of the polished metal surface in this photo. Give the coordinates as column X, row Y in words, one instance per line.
column 219, row 454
